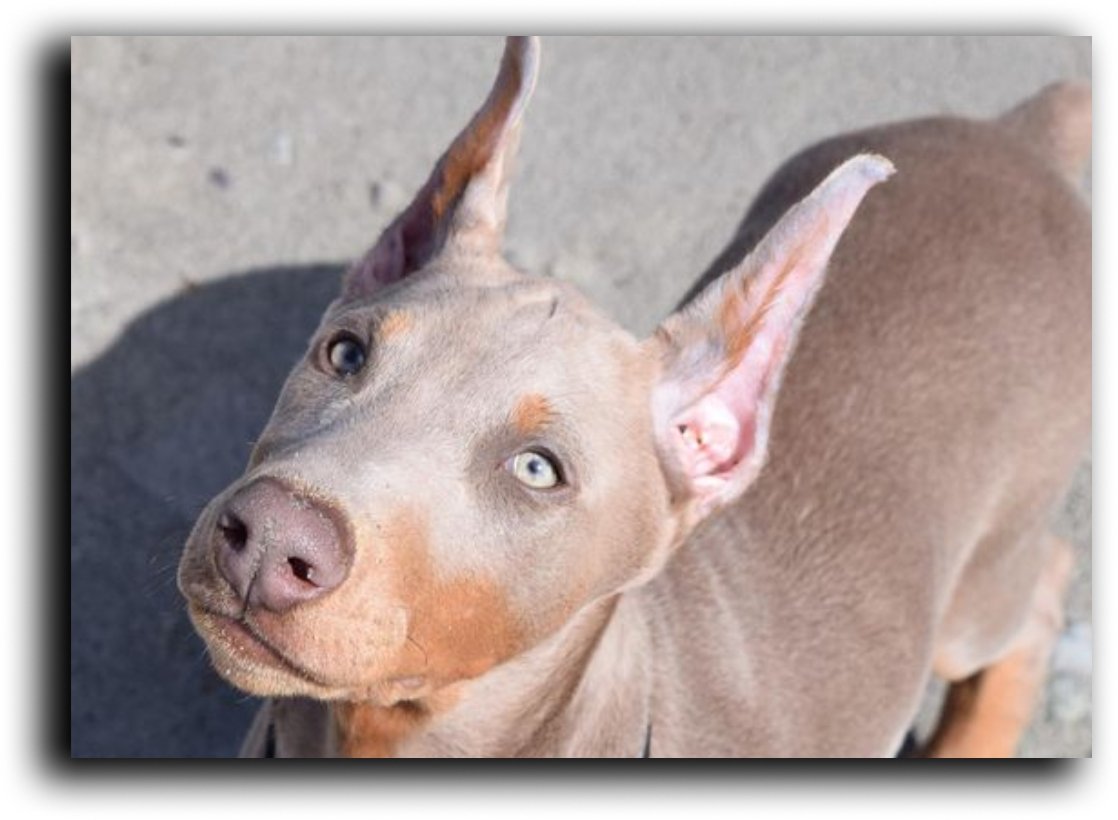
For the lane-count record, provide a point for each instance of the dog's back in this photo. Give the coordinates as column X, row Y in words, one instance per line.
column 933, row 412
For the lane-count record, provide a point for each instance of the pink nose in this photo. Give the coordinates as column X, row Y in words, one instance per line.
column 279, row 549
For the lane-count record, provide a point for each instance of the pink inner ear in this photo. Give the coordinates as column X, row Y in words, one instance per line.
column 733, row 341
column 711, row 439
column 402, row 249
column 713, row 436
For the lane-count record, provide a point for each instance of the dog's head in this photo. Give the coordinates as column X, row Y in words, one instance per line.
column 467, row 455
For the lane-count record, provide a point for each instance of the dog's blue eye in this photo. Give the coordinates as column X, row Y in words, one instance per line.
column 534, row 470
column 346, row 356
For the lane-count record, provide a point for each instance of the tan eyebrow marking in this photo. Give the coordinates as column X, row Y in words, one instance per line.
column 532, row 413
column 394, row 324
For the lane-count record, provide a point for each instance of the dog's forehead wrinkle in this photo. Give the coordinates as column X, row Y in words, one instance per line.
column 454, row 288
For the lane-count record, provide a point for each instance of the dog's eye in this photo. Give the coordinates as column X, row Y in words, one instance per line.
column 346, row 355
column 534, row 470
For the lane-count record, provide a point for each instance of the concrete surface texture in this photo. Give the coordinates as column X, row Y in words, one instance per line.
column 218, row 184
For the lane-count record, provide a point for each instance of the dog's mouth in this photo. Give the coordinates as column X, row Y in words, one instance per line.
column 249, row 661
column 243, row 656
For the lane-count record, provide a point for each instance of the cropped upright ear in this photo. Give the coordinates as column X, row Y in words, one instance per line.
column 724, row 354
column 464, row 200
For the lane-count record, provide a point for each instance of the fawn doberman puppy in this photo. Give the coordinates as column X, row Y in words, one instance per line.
column 486, row 520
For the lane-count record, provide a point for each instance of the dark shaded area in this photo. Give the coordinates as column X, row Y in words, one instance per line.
column 159, row 424
column 53, row 85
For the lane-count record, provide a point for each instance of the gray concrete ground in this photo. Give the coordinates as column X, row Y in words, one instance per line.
column 218, row 183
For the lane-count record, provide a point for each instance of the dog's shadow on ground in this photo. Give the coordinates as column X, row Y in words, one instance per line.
column 159, row 423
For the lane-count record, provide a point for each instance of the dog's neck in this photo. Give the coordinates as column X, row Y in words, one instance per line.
column 584, row 691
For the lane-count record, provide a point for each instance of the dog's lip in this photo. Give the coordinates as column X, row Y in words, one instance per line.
column 238, row 638
column 244, row 642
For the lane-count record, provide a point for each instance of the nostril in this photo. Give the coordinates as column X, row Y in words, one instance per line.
column 301, row 569
column 233, row 530
column 279, row 548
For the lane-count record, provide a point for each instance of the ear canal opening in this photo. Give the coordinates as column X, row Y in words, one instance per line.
column 711, row 439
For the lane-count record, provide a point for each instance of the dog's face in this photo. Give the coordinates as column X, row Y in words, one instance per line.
column 467, row 456
column 479, row 443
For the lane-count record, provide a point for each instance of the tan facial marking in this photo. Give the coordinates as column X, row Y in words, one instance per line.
column 531, row 414
column 366, row 730
column 458, row 628
column 394, row 324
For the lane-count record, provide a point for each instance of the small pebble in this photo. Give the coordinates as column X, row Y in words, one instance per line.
column 1073, row 654
column 219, row 177
column 283, row 148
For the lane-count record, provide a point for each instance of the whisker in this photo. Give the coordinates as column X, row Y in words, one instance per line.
column 417, row 645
